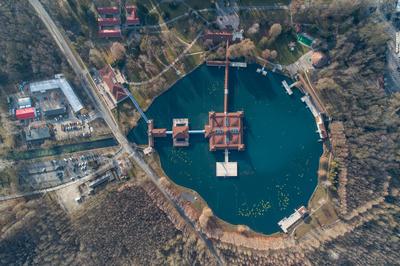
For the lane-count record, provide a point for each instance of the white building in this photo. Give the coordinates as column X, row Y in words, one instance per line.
column 59, row 82
column 287, row 222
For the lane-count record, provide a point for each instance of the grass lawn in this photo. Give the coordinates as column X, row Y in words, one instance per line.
column 323, row 216
column 285, row 56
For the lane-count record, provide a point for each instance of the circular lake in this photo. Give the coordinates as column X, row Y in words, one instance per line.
column 278, row 169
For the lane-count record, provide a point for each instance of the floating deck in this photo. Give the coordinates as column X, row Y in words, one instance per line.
column 287, row 87
column 262, row 71
column 222, row 63
column 318, row 117
column 306, row 99
column 226, row 169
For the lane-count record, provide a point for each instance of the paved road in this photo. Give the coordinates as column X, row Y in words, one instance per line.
column 81, row 71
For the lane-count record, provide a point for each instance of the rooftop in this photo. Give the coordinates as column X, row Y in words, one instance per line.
column 25, row 113
column 180, row 132
column 59, row 82
column 39, row 133
column 225, row 131
column 287, row 222
column 115, row 88
column 24, row 102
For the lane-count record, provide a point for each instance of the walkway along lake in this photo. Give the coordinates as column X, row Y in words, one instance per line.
column 278, row 169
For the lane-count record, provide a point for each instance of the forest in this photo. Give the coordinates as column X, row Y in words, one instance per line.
column 27, row 49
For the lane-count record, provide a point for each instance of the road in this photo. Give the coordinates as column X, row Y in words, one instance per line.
column 314, row 94
column 89, row 86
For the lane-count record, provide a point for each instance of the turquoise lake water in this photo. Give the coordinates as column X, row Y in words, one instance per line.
column 278, row 169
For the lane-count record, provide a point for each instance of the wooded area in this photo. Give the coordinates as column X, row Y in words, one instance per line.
column 27, row 50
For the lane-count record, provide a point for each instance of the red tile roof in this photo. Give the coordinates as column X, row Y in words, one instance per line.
column 132, row 18
column 225, row 131
column 180, row 132
column 108, row 10
column 116, row 89
column 130, row 9
column 218, row 35
column 110, row 33
column 159, row 132
column 108, row 21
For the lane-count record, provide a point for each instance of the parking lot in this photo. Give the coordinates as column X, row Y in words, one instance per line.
column 72, row 128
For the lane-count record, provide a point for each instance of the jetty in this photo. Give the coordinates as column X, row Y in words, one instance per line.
column 222, row 64
column 321, row 130
column 288, row 87
column 262, row 71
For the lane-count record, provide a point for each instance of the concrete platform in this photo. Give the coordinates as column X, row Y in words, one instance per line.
column 225, row 169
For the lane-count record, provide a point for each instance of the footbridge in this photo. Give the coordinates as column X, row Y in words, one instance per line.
column 136, row 104
column 288, row 87
column 193, row 131
column 222, row 64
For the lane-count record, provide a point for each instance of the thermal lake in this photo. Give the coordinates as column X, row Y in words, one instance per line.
column 277, row 172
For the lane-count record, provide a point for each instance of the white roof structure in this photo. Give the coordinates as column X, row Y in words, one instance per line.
column 287, row 222
column 227, row 169
column 59, row 82
column 310, row 105
column 24, row 102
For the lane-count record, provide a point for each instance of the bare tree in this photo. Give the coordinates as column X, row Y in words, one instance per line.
column 117, row 51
